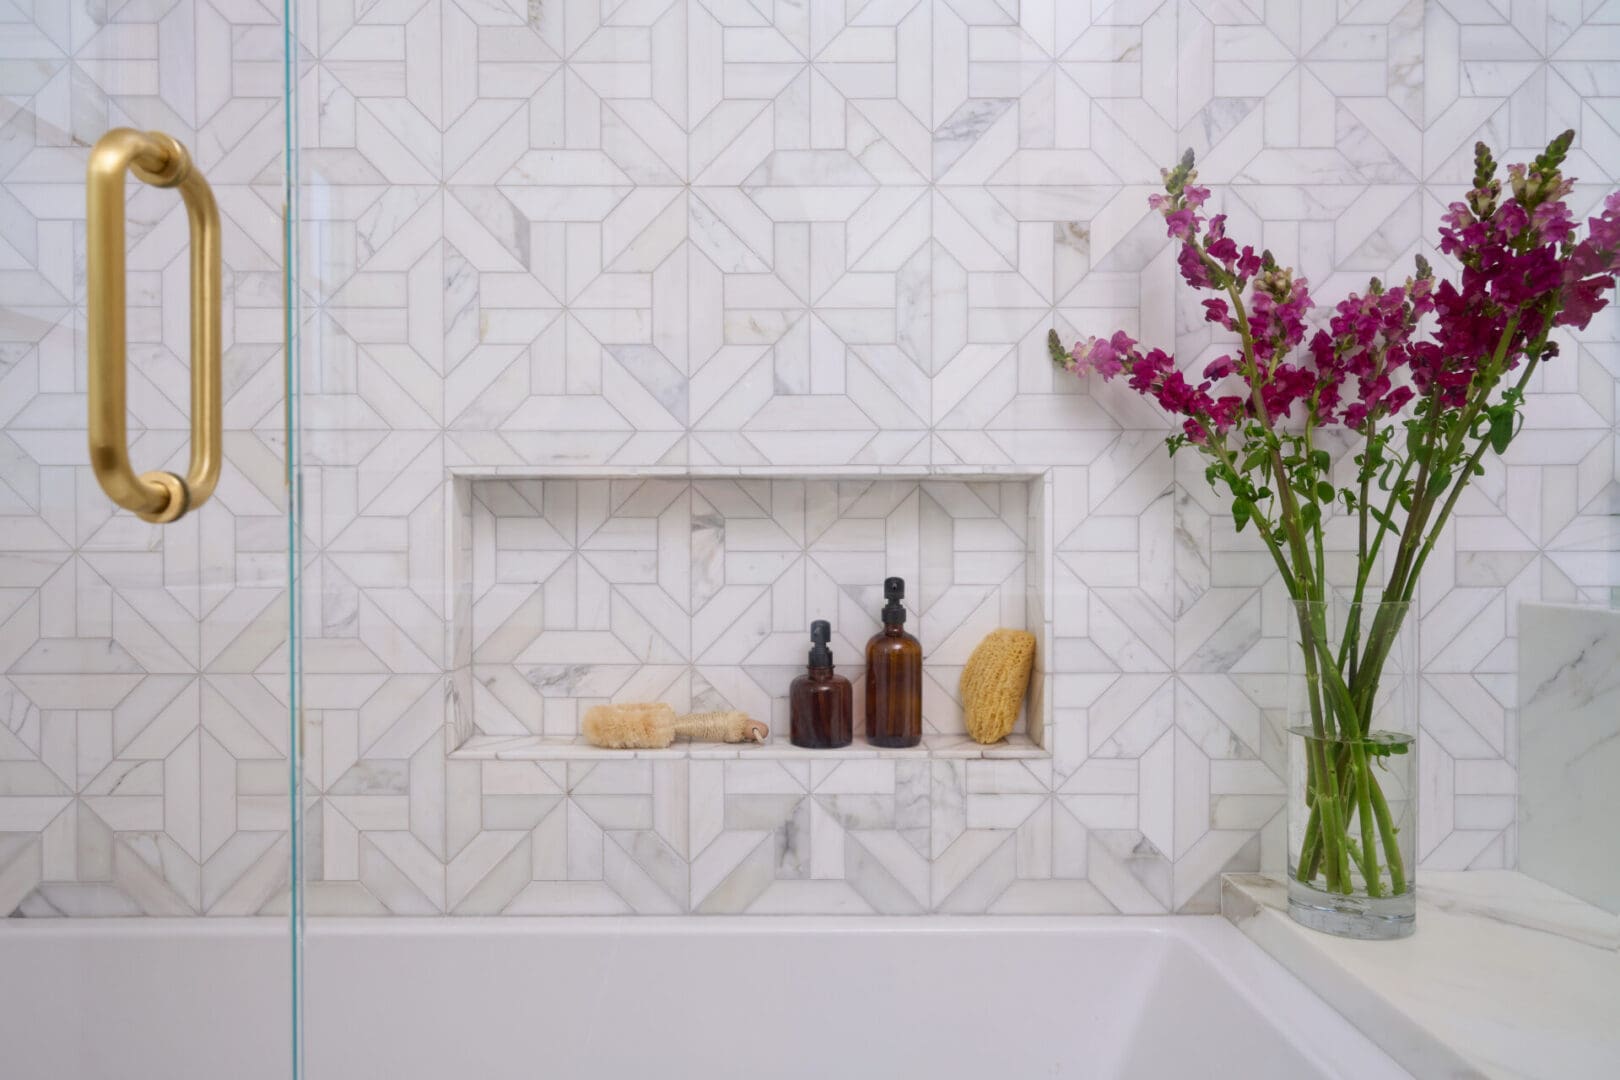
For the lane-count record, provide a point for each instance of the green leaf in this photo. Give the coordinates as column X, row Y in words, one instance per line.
column 1321, row 460
column 1309, row 515
column 1324, row 491
column 1242, row 510
column 1383, row 744
column 1501, row 428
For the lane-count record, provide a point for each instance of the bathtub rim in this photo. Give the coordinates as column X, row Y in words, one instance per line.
column 1317, row 1030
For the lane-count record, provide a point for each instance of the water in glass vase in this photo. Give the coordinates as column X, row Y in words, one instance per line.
column 1352, row 769
column 1352, row 831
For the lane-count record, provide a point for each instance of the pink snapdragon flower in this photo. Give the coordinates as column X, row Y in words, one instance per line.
column 1365, row 347
column 1105, row 356
column 1217, row 312
column 1154, row 374
column 1592, row 266
column 1523, row 271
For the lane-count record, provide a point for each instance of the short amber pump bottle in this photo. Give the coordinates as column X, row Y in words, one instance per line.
column 894, row 662
column 821, row 702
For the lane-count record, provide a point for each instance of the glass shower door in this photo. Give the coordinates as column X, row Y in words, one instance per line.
column 145, row 520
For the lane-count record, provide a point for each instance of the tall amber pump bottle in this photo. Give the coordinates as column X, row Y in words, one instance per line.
column 894, row 662
column 821, row 702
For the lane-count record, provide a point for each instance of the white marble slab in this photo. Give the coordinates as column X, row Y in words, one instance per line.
column 575, row 748
column 1505, row 978
column 1569, row 749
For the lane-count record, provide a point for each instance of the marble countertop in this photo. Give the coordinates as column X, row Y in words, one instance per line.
column 1505, row 977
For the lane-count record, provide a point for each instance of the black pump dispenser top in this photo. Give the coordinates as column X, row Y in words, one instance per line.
column 894, row 612
column 820, row 634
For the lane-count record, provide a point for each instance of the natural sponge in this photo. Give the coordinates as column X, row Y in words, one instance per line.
column 994, row 681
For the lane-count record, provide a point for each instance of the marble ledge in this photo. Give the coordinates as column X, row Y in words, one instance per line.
column 575, row 748
column 1505, row 978
column 746, row 472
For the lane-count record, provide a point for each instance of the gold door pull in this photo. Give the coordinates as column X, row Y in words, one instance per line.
column 161, row 161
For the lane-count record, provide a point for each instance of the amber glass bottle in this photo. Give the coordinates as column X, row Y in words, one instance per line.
column 821, row 702
column 894, row 661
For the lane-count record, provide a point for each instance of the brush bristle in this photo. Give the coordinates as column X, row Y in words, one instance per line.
column 630, row 726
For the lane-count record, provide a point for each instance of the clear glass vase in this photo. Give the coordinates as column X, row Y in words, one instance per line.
column 1352, row 768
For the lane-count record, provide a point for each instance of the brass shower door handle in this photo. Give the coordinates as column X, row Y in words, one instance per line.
column 161, row 161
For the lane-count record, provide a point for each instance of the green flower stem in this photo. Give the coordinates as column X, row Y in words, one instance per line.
column 1324, row 803
column 1386, row 829
column 1224, row 456
column 1285, row 491
column 1403, row 578
column 1404, row 584
column 1352, row 631
column 1310, row 858
column 1369, row 556
column 1327, row 806
column 1352, row 774
column 1316, row 529
column 1310, row 850
column 1326, row 835
column 1467, row 471
column 1369, row 849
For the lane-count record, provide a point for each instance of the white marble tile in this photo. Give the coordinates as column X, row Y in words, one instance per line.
column 1464, row 995
column 1569, row 750
column 689, row 239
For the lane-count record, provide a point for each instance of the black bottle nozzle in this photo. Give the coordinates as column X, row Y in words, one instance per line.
column 820, row 652
column 894, row 612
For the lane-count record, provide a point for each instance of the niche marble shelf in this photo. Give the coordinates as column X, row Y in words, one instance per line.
column 575, row 586
column 565, row 748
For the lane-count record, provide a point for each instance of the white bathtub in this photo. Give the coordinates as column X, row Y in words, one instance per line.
column 604, row 999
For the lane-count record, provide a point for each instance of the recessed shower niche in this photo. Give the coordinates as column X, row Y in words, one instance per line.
column 572, row 589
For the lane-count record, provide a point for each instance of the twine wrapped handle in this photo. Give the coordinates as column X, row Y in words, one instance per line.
column 731, row 727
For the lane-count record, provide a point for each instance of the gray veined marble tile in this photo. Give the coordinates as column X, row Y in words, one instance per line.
column 839, row 298
column 1569, row 748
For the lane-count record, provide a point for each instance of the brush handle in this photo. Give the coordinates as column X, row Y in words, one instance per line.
column 731, row 727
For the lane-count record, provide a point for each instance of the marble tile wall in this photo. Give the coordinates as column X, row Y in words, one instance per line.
column 692, row 234
column 143, row 669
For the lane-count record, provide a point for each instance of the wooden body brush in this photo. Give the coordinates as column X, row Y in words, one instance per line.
column 654, row 725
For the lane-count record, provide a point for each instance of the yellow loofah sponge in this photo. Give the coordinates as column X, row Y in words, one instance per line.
column 994, row 681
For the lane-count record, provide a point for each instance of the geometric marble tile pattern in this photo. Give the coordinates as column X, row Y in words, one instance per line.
column 692, row 234
column 142, row 668
column 701, row 593
column 808, row 233
column 565, row 250
column 811, row 835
